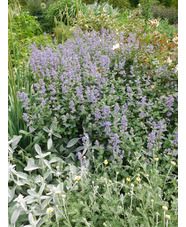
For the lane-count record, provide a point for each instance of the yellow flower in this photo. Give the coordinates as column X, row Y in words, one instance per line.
column 165, row 208
column 150, row 187
column 61, row 167
column 152, row 200
column 167, row 216
column 105, row 179
column 138, row 179
column 63, row 196
column 156, row 159
column 110, row 181
column 57, row 167
column 105, row 162
column 67, row 178
column 132, row 185
column 49, row 210
column 77, row 178
column 47, row 203
column 128, row 179
column 173, row 163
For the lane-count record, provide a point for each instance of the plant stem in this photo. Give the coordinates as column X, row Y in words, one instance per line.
column 131, row 200
column 66, row 212
column 164, row 219
column 156, row 220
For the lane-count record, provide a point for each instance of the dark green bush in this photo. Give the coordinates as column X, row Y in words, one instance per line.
column 134, row 3
column 171, row 14
column 169, row 3
column 121, row 4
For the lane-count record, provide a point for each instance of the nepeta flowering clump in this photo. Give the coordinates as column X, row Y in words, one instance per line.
column 86, row 83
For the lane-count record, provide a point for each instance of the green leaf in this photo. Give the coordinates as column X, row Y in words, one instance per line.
column 56, row 135
column 38, row 149
column 15, row 216
column 72, row 142
column 23, row 132
column 49, row 143
column 46, row 129
column 31, row 165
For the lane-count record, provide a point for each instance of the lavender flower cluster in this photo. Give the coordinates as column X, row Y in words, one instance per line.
column 86, row 83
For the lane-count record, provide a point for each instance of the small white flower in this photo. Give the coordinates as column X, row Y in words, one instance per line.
column 49, row 210
column 169, row 61
column 77, row 178
column 116, row 46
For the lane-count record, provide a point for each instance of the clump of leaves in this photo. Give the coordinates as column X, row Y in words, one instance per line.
column 53, row 192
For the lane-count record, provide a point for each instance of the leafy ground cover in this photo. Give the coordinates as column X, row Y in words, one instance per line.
column 93, row 128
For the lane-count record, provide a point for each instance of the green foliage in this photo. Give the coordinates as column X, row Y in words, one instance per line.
column 64, row 182
column 97, row 8
column 95, row 22
column 134, row 3
column 39, row 8
column 24, row 25
column 122, row 5
column 171, row 14
column 48, row 191
column 60, row 6
column 131, row 21
column 165, row 28
column 62, row 32
column 23, row 31
column 34, row 7
column 146, row 9
column 169, row 3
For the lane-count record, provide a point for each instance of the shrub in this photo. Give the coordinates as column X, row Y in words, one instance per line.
column 112, row 91
column 95, row 22
column 169, row 3
column 20, row 27
column 34, row 8
column 25, row 25
column 134, row 3
column 122, row 5
column 165, row 28
column 171, row 14
column 53, row 11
